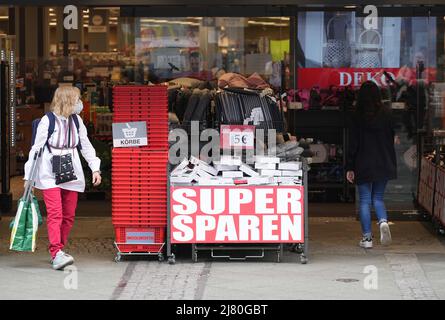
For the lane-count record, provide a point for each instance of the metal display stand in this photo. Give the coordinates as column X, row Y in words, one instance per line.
column 217, row 250
column 158, row 253
column 171, row 258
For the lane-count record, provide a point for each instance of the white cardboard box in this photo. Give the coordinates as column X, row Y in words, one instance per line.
column 230, row 160
column 289, row 183
column 215, row 181
column 248, row 170
column 180, row 168
column 233, row 174
column 266, row 166
column 259, row 180
column 224, row 167
column 196, row 161
column 266, row 159
column 201, row 173
column 209, row 169
column 181, row 180
column 271, row 173
column 289, row 180
column 203, row 166
column 293, row 166
column 287, row 173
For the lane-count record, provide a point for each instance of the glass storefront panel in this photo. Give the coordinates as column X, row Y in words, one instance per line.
column 400, row 55
column 333, row 54
column 197, row 47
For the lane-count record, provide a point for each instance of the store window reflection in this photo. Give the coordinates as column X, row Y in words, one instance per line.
column 336, row 54
column 196, row 47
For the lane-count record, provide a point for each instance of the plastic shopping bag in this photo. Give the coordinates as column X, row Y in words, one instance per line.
column 25, row 225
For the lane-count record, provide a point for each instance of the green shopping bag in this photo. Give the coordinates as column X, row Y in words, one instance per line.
column 27, row 219
column 39, row 215
column 25, row 225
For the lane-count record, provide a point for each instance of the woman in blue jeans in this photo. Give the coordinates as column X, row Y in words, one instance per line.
column 371, row 159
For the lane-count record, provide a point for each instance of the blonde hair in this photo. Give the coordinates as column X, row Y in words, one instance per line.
column 65, row 98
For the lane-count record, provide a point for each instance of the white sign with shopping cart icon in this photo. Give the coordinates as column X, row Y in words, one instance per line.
column 129, row 134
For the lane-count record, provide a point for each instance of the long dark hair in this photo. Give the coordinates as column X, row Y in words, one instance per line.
column 369, row 101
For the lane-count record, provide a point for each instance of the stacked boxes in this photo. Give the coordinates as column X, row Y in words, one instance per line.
column 230, row 170
column 139, row 190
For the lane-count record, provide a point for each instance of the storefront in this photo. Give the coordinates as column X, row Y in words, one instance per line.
column 312, row 56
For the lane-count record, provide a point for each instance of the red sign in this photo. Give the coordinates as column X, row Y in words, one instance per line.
column 234, row 214
column 342, row 77
column 237, row 136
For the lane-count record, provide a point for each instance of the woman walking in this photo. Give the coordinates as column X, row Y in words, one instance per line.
column 60, row 176
column 371, row 160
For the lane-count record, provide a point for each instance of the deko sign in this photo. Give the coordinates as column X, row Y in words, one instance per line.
column 231, row 214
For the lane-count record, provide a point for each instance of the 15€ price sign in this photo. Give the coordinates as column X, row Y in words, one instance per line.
column 237, row 137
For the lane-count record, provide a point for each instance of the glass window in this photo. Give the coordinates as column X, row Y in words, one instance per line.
column 167, row 48
column 337, row 54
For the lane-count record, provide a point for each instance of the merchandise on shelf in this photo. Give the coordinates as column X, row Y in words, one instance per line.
column 197, row 172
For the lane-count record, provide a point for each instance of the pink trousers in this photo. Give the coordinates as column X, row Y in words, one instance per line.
column 61, row 208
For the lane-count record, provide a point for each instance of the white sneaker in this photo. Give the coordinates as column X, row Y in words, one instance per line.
column 366, row 243
column 62, row 260
column 385, row 234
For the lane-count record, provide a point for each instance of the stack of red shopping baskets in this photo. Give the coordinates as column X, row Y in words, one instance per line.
column 139, row 188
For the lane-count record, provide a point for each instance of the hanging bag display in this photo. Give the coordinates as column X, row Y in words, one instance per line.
column 337, row 52
column 368, row 55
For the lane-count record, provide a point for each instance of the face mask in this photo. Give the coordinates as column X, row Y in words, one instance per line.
column 78, row 107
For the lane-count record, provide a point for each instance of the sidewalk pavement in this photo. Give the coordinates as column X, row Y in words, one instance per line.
column 411, row 268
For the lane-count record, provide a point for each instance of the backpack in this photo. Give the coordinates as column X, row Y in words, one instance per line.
column 52, row 124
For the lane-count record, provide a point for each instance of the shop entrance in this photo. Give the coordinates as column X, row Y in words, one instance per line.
column 316, row 58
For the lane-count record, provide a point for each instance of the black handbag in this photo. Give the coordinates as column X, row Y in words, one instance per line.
column 63, row 168
column 62, row 165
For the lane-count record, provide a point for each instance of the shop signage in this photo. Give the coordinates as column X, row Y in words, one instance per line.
column 129, row 134
column 232, row 214
column 342, row 77
column 237, row 136
column 98, row 21
column 139, row 236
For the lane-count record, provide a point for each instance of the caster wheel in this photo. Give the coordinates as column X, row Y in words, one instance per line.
column 171, row 260
column 117, row 258
column 299, row 248
column 303, row 259
column 161, row 257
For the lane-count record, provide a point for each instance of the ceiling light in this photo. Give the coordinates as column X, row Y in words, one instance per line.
column 350, row 7
column 267, row 23
column 53, row 23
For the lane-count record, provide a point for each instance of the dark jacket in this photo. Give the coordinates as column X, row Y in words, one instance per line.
column 371, row 154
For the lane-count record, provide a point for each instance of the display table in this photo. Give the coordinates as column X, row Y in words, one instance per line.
column 238, row 222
